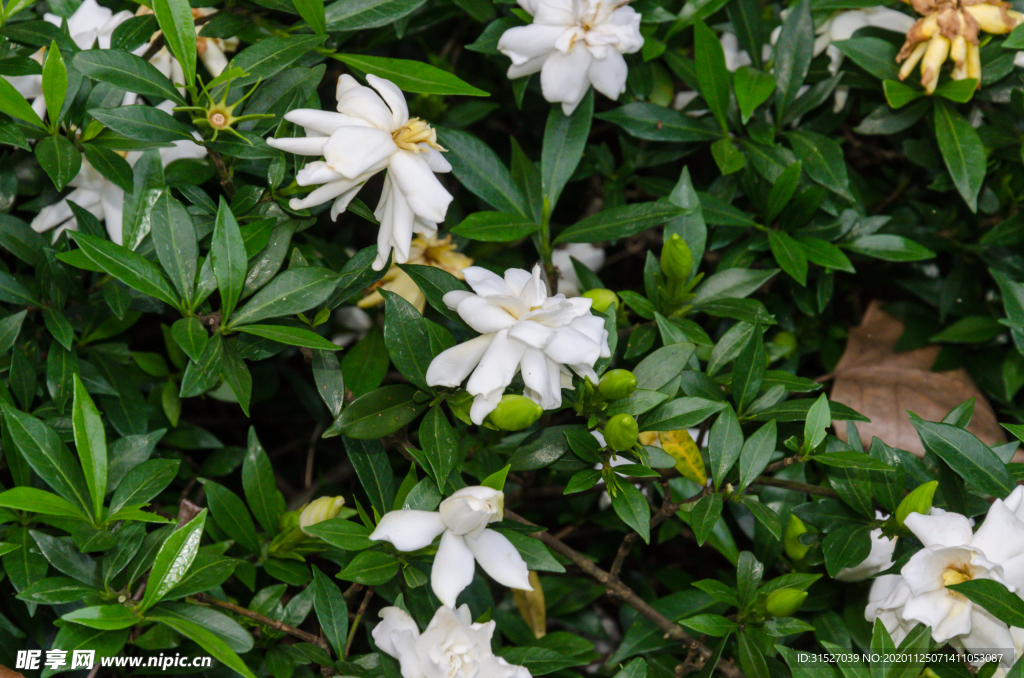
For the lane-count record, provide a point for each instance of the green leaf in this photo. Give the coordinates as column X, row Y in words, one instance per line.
column 853, row 459
column 728, row 158
column 104, row 617
column 203, row 637
column 748, row 370
column 261, row 491
column 995, row 598
column 960, row 91
column 91, row 442
column 294, row 291
column 381, row 412
column 732, row 283
column 756, row 452
column 55, row 83
column 312, row 11
column 331, row 611
column 565, row 137
column 179, row 29
column 435, row 282
column 370, row 568
column 479, row 169
column 39, row 501
column 962, row 151
column 128, row 267
column 440, row 445
column 712, row 75
column 228, row 254
column 753, row 87
column 680, row 413
column 822, row 160
column 411, row 76
column 126, row 71
column 111, row 165
column 231, row 515
column 874, row 55
column 764, row 515
column 407, row 340
column 496, row 481
column 50, row 458
column 846, row 546
column 143, row 482
column 614, row 223
column 631, row 505
column 650, row 121
column 789, row 254
column 724, row 445
column 354, row 15
column 782, row 192
column 293, row 336
column 751, row 660
column 819, row 418
column 495, row 227
column 270, row 56
column 705, row 515
column 176, row 245
column 330, row 381
column 14, row 105
column 59, row 159
column 824, row 254
column 970, row 458
column 889, row 248
column 899, row 95
column 173, row 560
column 144, row 123
column 344, row 534
column 794, row 51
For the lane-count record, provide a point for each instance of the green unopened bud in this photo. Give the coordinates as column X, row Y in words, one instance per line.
column 617, row 384
column 515, row 412
column 784, row 602
column 918, row 501
column 791, row 540
column 676, row 259
column 602, row 299
column 289, row 520
column 621, row 432
column 319, row 510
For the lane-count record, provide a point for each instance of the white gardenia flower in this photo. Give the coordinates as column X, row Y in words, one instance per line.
column 842, row 26
column 451, row 647
column 372, row 131
column 591, row 256
column 90, row 24
column 521, row 328
column 878, row 560
column 953, row 554
column 461, row 521
column 574, row 44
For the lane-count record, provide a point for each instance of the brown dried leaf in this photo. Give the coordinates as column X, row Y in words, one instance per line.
column 8, row 673
column 532, row 607
column 883, row 385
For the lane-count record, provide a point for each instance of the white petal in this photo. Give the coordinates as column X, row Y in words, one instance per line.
column 924, row 571
column 362, row 102
column 421, row 188
column 450, row 367
column 408, row 530
column 483, row 316
column 531, row 333
column 453, row 569
column 497, row 366
column 351, row 151
column 299, row 145
column 878, row 560
column 393, row 97
column 323, row 122
column 948, row 616
column 112, row 199
column 890, row 19
column 516, row 279
column 483, row 404
column 325, row 193
column 500, row 559
column 454, row 298
column 570, row 347
column 537, row 377
column 435, row 160
column 395, row 620
column 564, row 78
column 484, row 282
column 947, row 529
column 317, row 172
column 529, row 68
column 1001, row 536
column 523, row 43
column 609, row 74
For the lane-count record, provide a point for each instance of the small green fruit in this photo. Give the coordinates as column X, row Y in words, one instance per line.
column 515, row 412
column 616, row 384
column 791, row 539
column 784, row 602
column 676, row 259
column 621, row 432
column 602, row 299
column 918, row 501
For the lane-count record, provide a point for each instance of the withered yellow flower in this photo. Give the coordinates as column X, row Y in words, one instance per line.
column 429, row 251
column 949, row 29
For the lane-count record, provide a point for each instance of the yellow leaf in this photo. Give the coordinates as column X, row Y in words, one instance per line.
column 689, row 463
column 531, row 606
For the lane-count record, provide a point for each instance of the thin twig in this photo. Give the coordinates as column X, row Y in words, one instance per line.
column 794, row 485
column 619, row 590
column 203, row 598
column 358, row 618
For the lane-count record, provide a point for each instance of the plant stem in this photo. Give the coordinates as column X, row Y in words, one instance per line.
column 205, row 599
column 544, row 247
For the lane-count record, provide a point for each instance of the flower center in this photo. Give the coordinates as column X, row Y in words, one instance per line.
column 415, row 132
column 956, row 574
column 218, row 119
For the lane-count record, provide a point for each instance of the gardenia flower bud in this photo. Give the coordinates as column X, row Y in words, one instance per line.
column 953, row 554
column 515, row 412
column 617, row 384
column 621, row 432
column 601, row 299
column 524, row 329
column 461, row 521
column 372, row 131
column 451, row 646
column 573, row 45
column 784, row 602
column 676, row 259
column 791, row 540
column 319, row 510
